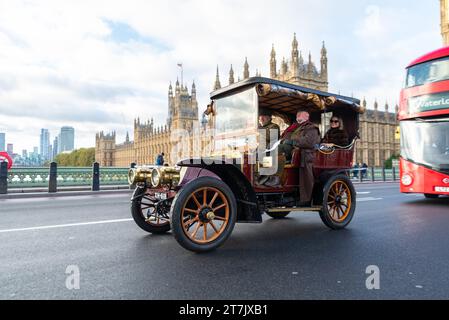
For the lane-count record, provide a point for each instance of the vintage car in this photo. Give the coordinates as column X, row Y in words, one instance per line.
column 200, row 199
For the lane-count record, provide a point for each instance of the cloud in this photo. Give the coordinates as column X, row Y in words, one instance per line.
column 98, row 64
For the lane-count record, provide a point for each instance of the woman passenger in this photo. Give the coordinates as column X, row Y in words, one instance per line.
column 336, row 135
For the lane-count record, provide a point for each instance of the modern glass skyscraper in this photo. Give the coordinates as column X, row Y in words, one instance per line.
column 55, row 147
column 44, row 143
column 67, row 139
column 2, row 141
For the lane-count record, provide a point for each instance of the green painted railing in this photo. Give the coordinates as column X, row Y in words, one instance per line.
column 67, row 176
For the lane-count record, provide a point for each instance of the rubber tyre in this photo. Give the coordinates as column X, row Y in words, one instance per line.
column 278, row 216
column 139, row 219
column 431, row 196
column 324, row 212
column 176, row 211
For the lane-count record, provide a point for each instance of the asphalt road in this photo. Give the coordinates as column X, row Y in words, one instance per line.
column 405, row 236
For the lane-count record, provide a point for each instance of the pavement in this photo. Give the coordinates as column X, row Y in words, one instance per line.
column 404, row 236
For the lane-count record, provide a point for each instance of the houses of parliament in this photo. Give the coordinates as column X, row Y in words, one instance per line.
column 377, row 125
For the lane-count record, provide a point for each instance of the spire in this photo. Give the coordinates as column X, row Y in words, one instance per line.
column 273, row 63
column 323, row 50
column 246, row 69
column 177, row 88
column 310, row 65
column 217, row 84
column 231, row 75
column 284, row 67
column 295, row 49
column 127, row 136
column 193, row 90
column 294, row 43
column 170, row 90
column 324, row 75
column 273, row 52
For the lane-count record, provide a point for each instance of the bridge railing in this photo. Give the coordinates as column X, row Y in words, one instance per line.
column 53, row 177
column 43, row 177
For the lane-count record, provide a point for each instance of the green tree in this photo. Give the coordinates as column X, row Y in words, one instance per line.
column 83, row 157
column 389, row 162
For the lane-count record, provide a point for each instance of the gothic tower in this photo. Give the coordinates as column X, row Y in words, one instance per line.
column 444, row 11
column 185, row 108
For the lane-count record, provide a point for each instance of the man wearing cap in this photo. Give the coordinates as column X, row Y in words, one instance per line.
column 303, row 134
column 266, row 123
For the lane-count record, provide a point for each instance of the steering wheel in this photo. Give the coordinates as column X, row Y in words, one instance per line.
column 4, row 156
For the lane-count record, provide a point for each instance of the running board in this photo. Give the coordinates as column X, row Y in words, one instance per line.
column 306, row 209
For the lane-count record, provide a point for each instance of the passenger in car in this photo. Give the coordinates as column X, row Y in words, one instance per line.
column 336, row 135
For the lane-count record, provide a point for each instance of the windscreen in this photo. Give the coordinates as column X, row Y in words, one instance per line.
column 428, row 72
column 426, row 142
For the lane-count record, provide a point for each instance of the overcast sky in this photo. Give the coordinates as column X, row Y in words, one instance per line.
column 96, row 65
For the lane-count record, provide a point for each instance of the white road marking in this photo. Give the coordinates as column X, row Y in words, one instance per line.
column 65, row 225
column 368, row 199
column 363, row 192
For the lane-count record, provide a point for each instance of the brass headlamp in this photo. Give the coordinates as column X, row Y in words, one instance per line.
column 165, row 176
column 156, row 176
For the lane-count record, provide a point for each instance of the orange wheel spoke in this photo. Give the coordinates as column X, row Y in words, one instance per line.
column 191, row 210
column 219, row 207
column 205, row 197
column 189, row 223
column 196, row 230
column 205, row 231
column 213, row 199
column 219, row 218
column 196, row 200
column 213, row 226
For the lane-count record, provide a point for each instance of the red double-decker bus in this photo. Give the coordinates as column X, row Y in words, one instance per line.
column 424, row 123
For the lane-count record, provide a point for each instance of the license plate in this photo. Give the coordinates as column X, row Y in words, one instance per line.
column 161, row 196
column 441, row 189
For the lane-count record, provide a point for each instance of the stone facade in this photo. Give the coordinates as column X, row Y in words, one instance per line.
column 377, row 132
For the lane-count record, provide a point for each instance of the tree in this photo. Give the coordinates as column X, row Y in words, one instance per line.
column 83, row 157
column 389, row 162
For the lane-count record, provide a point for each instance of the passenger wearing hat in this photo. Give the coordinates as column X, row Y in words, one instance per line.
column 266, row 122
column 303, row 134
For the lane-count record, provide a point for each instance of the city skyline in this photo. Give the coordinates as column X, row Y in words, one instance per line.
column 44, row 148
column 116, row 65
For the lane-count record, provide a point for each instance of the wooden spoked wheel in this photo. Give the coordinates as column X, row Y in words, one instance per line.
column 205, row 215
column 150, row 214
column 339, row 201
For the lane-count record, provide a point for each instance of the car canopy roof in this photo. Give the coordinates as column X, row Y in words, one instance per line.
column 288, row 98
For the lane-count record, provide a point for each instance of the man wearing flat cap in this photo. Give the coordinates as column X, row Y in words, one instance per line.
column 305, row 135
column 266, row 123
